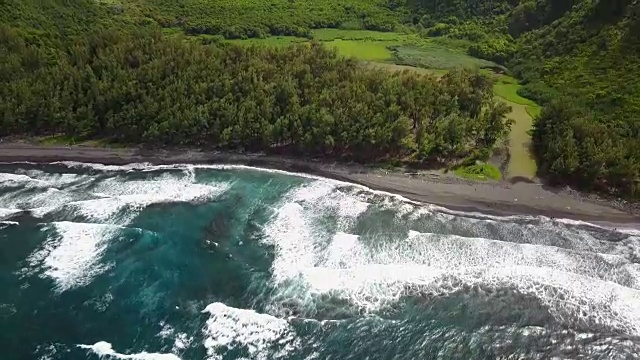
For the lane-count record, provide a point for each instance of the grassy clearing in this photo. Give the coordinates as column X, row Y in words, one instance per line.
column 522, row 163
column 361, row 44
column 55, row 140
column 435, row 55
column 333, row 34
column 389, row 47
column 534, row 111
column 507, row 88
column 363, row 50
column 479, row 172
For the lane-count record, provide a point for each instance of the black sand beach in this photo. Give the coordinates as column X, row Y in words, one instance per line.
column 497, row 198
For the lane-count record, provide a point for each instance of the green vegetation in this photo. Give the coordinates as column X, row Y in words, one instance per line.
column 346, row 34
column 591, row 68
column 507, row 88
column 235, row 19
column 303, row 99
column 578, row 55
column 402, row 68
column 268, row 41
column 56, row 140
column 401, row 49
column 479, row 172
column 368, row 50
column 521, row 161
column 436, row 55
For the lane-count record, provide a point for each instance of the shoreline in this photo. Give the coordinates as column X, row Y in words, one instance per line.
column 430, row 187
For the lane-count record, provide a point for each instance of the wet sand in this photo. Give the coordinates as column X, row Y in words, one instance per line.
column 496, row 198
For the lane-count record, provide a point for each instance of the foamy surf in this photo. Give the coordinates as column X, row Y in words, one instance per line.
column 6, row 212
column 117, row 194
column 296, row 266
column 71, row 255
column 42, row 193
column 261, row 336
column 105, row 350
column 572, row 279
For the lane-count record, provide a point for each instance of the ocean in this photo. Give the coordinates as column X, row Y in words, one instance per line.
column 232, row 262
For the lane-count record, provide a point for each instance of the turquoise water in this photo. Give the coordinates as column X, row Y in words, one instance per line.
column 188, row 262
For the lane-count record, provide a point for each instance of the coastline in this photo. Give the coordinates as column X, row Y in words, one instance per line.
column 492, row 198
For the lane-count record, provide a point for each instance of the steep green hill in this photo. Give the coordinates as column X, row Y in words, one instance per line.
column 585, row 66
column 580, row 59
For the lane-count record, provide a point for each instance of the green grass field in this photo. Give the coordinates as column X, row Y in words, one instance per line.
column 363, row 50
column 479, row 172
column 435, row 55
column 534, row 110
column 522, row 162
column 507, row 88
column 388, row 47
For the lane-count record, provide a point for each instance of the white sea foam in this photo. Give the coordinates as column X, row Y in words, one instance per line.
column 39, row 203
column 40, row 179
column 262, row 336
column 333, row 182
column 167, row 330
column 8, row 179
column 72, row 253
column 105, row 350
column 117, row 194
column 181, row 342
column 6, row 212
column 192, row 167
column 586, row 285
column 292, row 232
column 111, row 195
column 150, row 167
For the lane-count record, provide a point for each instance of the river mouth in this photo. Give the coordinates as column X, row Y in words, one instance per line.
column 225, row 262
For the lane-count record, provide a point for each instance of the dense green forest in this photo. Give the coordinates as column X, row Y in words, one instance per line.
column 64, row 69
column 143, row 87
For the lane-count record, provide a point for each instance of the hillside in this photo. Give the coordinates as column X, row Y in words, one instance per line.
column 578, row 58
column 134, row 85
column 585, row 66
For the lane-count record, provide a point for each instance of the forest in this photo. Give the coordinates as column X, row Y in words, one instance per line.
column 579, row 59
column 146, row 88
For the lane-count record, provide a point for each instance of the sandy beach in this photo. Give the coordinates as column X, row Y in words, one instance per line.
column 496, row 198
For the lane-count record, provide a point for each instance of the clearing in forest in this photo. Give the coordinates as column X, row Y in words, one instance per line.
column 522, row 162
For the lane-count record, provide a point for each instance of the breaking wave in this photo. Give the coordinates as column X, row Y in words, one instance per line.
column 232, row 262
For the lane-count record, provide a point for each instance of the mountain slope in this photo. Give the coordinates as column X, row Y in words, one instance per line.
column 585, row 66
